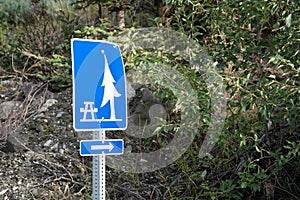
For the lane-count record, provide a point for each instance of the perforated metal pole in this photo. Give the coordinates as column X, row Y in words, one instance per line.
column 99, row 170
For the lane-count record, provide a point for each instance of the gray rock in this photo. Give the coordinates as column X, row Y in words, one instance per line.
column 16, row 142
column 130, row 91
column 6, row 83
column 47, row 144
column 48, row 104
column 7, row 107
column 8, row 147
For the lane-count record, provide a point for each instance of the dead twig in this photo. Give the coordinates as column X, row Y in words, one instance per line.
column 136, row 195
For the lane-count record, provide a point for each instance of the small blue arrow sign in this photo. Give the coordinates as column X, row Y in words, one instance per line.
column 98, row 147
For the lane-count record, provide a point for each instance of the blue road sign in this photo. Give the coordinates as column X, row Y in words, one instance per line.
column 98, row 147
column 99, row 86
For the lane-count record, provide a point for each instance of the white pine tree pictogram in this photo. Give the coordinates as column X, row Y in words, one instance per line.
column 110, row 91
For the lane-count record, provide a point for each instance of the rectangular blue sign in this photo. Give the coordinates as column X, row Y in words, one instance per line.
column 99, row 147
column 99, row 86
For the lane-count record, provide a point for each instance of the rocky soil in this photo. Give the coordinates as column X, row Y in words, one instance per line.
column 39, row 150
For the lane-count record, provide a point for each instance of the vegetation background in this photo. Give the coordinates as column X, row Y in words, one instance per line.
column 256, row 45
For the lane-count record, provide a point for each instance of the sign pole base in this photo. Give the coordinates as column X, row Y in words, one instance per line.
column 99, row 170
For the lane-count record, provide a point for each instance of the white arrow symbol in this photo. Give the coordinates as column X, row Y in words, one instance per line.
column 109, row 147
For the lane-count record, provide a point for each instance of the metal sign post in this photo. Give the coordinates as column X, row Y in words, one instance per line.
column 99, row 170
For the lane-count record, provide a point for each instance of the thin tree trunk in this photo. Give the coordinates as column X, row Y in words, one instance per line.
column 159, row 5
column 121, row 19
column 100, row 14
column 99, row 10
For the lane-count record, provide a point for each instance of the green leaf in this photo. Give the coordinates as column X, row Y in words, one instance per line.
column 244, row 185
column 204, row 173
column 288, row 20
column 272, row 76
column 169, row 2
column 257, row 149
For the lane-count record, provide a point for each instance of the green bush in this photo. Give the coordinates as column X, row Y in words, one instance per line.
column 33, row 33
column 256, row 43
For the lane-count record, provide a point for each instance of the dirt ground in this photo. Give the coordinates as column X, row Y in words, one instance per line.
column 39, row 153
